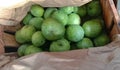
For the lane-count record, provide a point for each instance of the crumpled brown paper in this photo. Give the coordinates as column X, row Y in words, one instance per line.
column 12, row 15
column 100, row 58
column 6, row 58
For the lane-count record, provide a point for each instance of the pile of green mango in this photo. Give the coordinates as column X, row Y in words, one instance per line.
column 58, row 29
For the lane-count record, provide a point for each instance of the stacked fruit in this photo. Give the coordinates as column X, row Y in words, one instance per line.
column 58, row 29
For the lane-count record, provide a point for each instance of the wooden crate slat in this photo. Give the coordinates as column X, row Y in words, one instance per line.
column 2, row 50
column 115, row 13
column 114, row 31
column 12, row 29
column 9, row 40
column 107, row 13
